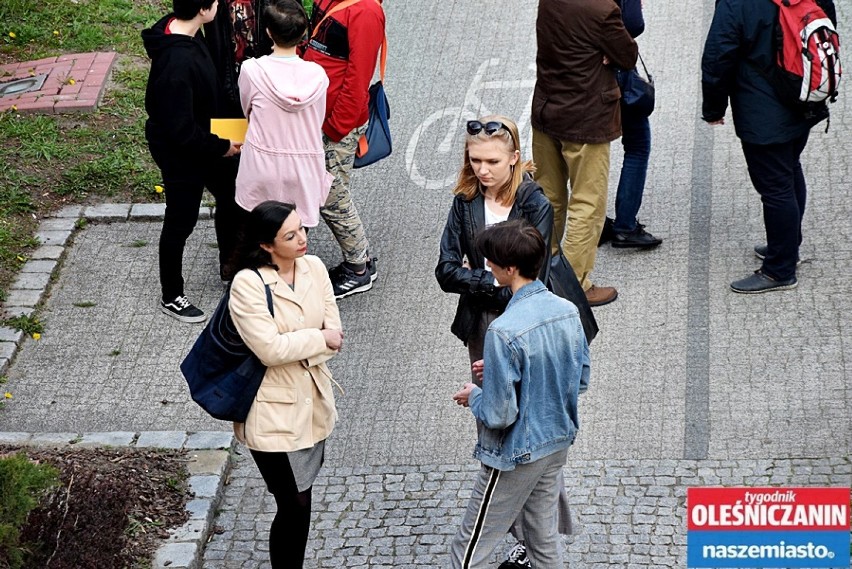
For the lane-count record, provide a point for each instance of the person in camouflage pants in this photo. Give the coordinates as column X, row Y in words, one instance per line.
column 345, row 41
column 339, row 211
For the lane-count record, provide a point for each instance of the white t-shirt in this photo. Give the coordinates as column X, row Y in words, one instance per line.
column 490, row 219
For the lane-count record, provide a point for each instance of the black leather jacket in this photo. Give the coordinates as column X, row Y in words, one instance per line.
column 475, row 285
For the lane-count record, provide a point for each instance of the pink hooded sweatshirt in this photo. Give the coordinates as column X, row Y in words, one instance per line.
column 283, row 158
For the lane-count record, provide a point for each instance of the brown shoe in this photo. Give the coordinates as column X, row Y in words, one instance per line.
column 600, row 295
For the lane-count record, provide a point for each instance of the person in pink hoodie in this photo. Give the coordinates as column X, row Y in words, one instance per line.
column 283, row 98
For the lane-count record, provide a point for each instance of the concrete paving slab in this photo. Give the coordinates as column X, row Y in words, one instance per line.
column 21, row 297
column 31, row 281
column 107, row 212
column 53, row 237
column 107, row 439
column 10, row 335
column 203, row 462
column 209, row 439
column 162, row 439
column 72, row 211
column 15, row 438
column 147, row 211
column 39, row 266
column 59, row 223
column 16, row 311
column 176, row 556
column 48, row 252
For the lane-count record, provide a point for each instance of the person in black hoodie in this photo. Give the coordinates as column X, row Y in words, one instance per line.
column 181, row 98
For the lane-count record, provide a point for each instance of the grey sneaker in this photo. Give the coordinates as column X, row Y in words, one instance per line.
column 759, row 282
column 181, row 309
column 347, row 282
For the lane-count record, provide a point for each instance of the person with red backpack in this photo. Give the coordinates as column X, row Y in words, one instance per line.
column 747, row 60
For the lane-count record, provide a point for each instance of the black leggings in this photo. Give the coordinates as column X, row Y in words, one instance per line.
column 288, row 536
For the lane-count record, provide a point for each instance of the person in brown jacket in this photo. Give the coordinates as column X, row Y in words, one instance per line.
column 575, row 116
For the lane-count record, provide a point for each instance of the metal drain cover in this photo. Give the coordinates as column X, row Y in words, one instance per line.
column 18, row 86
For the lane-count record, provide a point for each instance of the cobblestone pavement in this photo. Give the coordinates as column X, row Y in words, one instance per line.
column 627, row 513
column 691, row 384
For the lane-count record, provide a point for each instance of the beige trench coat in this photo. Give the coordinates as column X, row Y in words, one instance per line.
column 294, row 407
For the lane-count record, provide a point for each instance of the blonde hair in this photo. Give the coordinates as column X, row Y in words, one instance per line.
column 468, row 185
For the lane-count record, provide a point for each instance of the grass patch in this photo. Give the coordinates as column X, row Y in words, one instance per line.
column 45, row 28
column 48, row 161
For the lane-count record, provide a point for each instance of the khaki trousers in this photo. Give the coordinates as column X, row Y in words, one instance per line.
column 578, row 216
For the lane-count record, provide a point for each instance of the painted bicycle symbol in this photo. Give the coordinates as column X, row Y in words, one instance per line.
column 428, row 159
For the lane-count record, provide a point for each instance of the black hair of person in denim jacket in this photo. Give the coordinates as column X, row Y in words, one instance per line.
column 475, row 286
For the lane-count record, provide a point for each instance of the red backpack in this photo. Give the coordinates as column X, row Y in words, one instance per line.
column 808, row 53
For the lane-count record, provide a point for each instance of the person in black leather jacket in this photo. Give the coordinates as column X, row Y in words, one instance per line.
column 495, row 184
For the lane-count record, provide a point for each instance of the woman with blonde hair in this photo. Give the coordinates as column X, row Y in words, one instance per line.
column 495, row 184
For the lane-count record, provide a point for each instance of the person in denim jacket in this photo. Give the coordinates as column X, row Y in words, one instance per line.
column 536, row 363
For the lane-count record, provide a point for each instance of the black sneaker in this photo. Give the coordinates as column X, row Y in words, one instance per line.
column 760, row 253
column 371, row 267
column 517, row 558
column 638, row 238
column 759, row 282
column 347, row 282
column 181, row 309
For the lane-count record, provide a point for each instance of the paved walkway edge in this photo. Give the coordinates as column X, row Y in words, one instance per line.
column 55, row 233
column 209, row 466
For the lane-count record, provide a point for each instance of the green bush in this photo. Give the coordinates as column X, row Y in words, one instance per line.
column 22, row 482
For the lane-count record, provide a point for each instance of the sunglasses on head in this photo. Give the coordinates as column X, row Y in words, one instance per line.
column 490, row 127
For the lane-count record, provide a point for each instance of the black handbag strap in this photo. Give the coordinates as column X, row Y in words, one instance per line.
column 268, row 293
column 647, row 73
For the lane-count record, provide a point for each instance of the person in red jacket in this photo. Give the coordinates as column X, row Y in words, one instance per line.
column 346, row 44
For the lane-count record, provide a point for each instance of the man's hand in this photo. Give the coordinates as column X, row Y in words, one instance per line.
column 478, row 367
column 233, row 150
column 716, row 123
column 461, row 398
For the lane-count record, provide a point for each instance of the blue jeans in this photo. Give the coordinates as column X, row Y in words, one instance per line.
column 776, row 173
column 636, row 140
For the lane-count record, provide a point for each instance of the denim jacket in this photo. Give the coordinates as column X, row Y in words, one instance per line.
column 536, row 364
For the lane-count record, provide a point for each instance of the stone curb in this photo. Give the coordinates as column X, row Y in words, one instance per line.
column 55, row 234
column 209, row 465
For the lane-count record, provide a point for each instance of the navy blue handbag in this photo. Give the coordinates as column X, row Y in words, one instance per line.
column 223, row 374
column 375, row 143
column 637, row 93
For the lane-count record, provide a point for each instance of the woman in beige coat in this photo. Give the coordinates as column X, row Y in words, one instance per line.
column 293, row 412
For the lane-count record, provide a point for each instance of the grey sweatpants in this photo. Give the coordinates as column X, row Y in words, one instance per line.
column 497, row 499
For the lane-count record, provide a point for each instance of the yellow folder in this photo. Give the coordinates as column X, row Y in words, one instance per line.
column 231, row 129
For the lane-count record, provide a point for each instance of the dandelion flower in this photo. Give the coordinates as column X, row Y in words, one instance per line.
column 7, row 395
column 71, row 81
column 14, row 108
column 13, row 35
column 21, row 258
column 158, row 188
column 36, row 336
column 56, row 32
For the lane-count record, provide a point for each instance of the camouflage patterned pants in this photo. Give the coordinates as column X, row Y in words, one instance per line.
column 339, row 211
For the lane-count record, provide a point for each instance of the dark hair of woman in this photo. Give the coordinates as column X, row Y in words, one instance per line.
column 262, row 225
column 286, row 22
